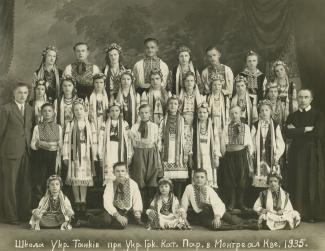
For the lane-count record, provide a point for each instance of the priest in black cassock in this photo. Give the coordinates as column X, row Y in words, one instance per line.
column 306, row 175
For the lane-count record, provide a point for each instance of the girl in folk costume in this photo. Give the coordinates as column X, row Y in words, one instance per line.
column 98, row 102
column 272, row 94
column 113, row 69
column 268, row 143
column 50, row 73
column 256, row 79
column 206, row 145
column 237, row 164
column 47, row 144
column 113, row 142
column 128, row 98
column 213, row 56
column 63, row 105
column 165, row 211
column 185, row 65
column 287, row 89
column 156, row 97
column 79, row 154
column 274, row 206
column 54, row 209
column 171, row 133
column 190, row 99
column 218, row 103
column 39, row 99
column 146, row 165
column 246, row 102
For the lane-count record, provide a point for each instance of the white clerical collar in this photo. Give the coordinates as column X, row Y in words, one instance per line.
column 306, row 109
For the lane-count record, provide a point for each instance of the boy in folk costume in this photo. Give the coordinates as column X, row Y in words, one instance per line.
column 204, row 207
column 54, row 209
column 81, row 70
column 143, row 67
column 245, row 101
column 156, row 96
column 113, row 142
column 274, row 206
column 165, row 211
column 39, row 99
column 268, row 143
column 237, row 163
column 63, row 105
column 190, row 99
column 47, row 144
column 79, row 154
column 219, row 103
column 171, row 132
column 206, row 145
column 128, row 98
column 272, row 94
column 98, row 102
column 213, row 55
column 122, row 200
column 146, row 165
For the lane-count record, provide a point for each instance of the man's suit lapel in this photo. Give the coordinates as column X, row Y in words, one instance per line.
column 17, row 112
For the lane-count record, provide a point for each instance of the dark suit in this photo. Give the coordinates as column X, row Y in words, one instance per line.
column 15, row 137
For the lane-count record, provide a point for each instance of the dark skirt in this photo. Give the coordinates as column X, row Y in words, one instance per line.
column 235, row 171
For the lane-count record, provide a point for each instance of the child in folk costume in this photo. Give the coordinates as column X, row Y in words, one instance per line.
column 47, row 144
column 268, row 143
column 98, row 102
column 156, row 96
column 206, row 145
column 218, row 103
column 190, row 100
column 113, row 142
column 171, row 132
column 165, row 211
column 272, row 94
column 237, row 163
column 79, row 153
column 146, row 165
column 39, row 99
column 274, row 206
column 246, row 102
column 128, row 98
column 54, row 209
column 63, row 105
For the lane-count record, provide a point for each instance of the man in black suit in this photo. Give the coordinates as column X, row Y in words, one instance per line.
column 16, row 124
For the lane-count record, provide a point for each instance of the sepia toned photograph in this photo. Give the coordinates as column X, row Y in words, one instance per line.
column 162, row 125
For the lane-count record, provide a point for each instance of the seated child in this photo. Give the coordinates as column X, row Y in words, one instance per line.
column 164, row 211
column 207, row 209
column 54, row 209
column 274, row 206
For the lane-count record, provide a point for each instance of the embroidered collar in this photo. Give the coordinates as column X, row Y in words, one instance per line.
column 255, row 74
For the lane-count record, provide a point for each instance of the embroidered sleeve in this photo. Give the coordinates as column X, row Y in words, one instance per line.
column 67, row 71
column 94, row 141
column 280, row 145
column 66, row 147
column 68, row 207
column 109, row 199
column 230, row 80
column 35, row 138
column 60, row 139
column 248, row 140
column 161, row 135
column 136, row 198
column 258, row 205
column 101, row 139
column 217, row 205
column 185, row 199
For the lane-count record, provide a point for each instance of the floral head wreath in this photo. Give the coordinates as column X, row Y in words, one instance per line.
column 40, row 82
column 214, row 77
column 115, row 103
column 183, row 49
column 166, row 181
column 156, row 71
column 277, row 63
column 204, row 105
column 54, row 177
column 240, row 78
column 70, row 79
column 79, row 101
column 275, row 174
column 49, row 48
column 113, row 46
column 99, row 76
column 265, row 102
column 251, row 53
column 127, row 72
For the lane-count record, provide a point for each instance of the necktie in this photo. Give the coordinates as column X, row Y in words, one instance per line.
column 22, row 110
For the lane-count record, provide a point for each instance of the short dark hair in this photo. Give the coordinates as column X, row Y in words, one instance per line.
column 212, row 47
column 306, row 89
column 120, row 163
column 47, row 105
column 200, row 170
column 20, row 84
column 144, row 106
column 80, row 43
column 150, row 39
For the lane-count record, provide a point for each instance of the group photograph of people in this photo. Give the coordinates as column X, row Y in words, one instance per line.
column 151, row 145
